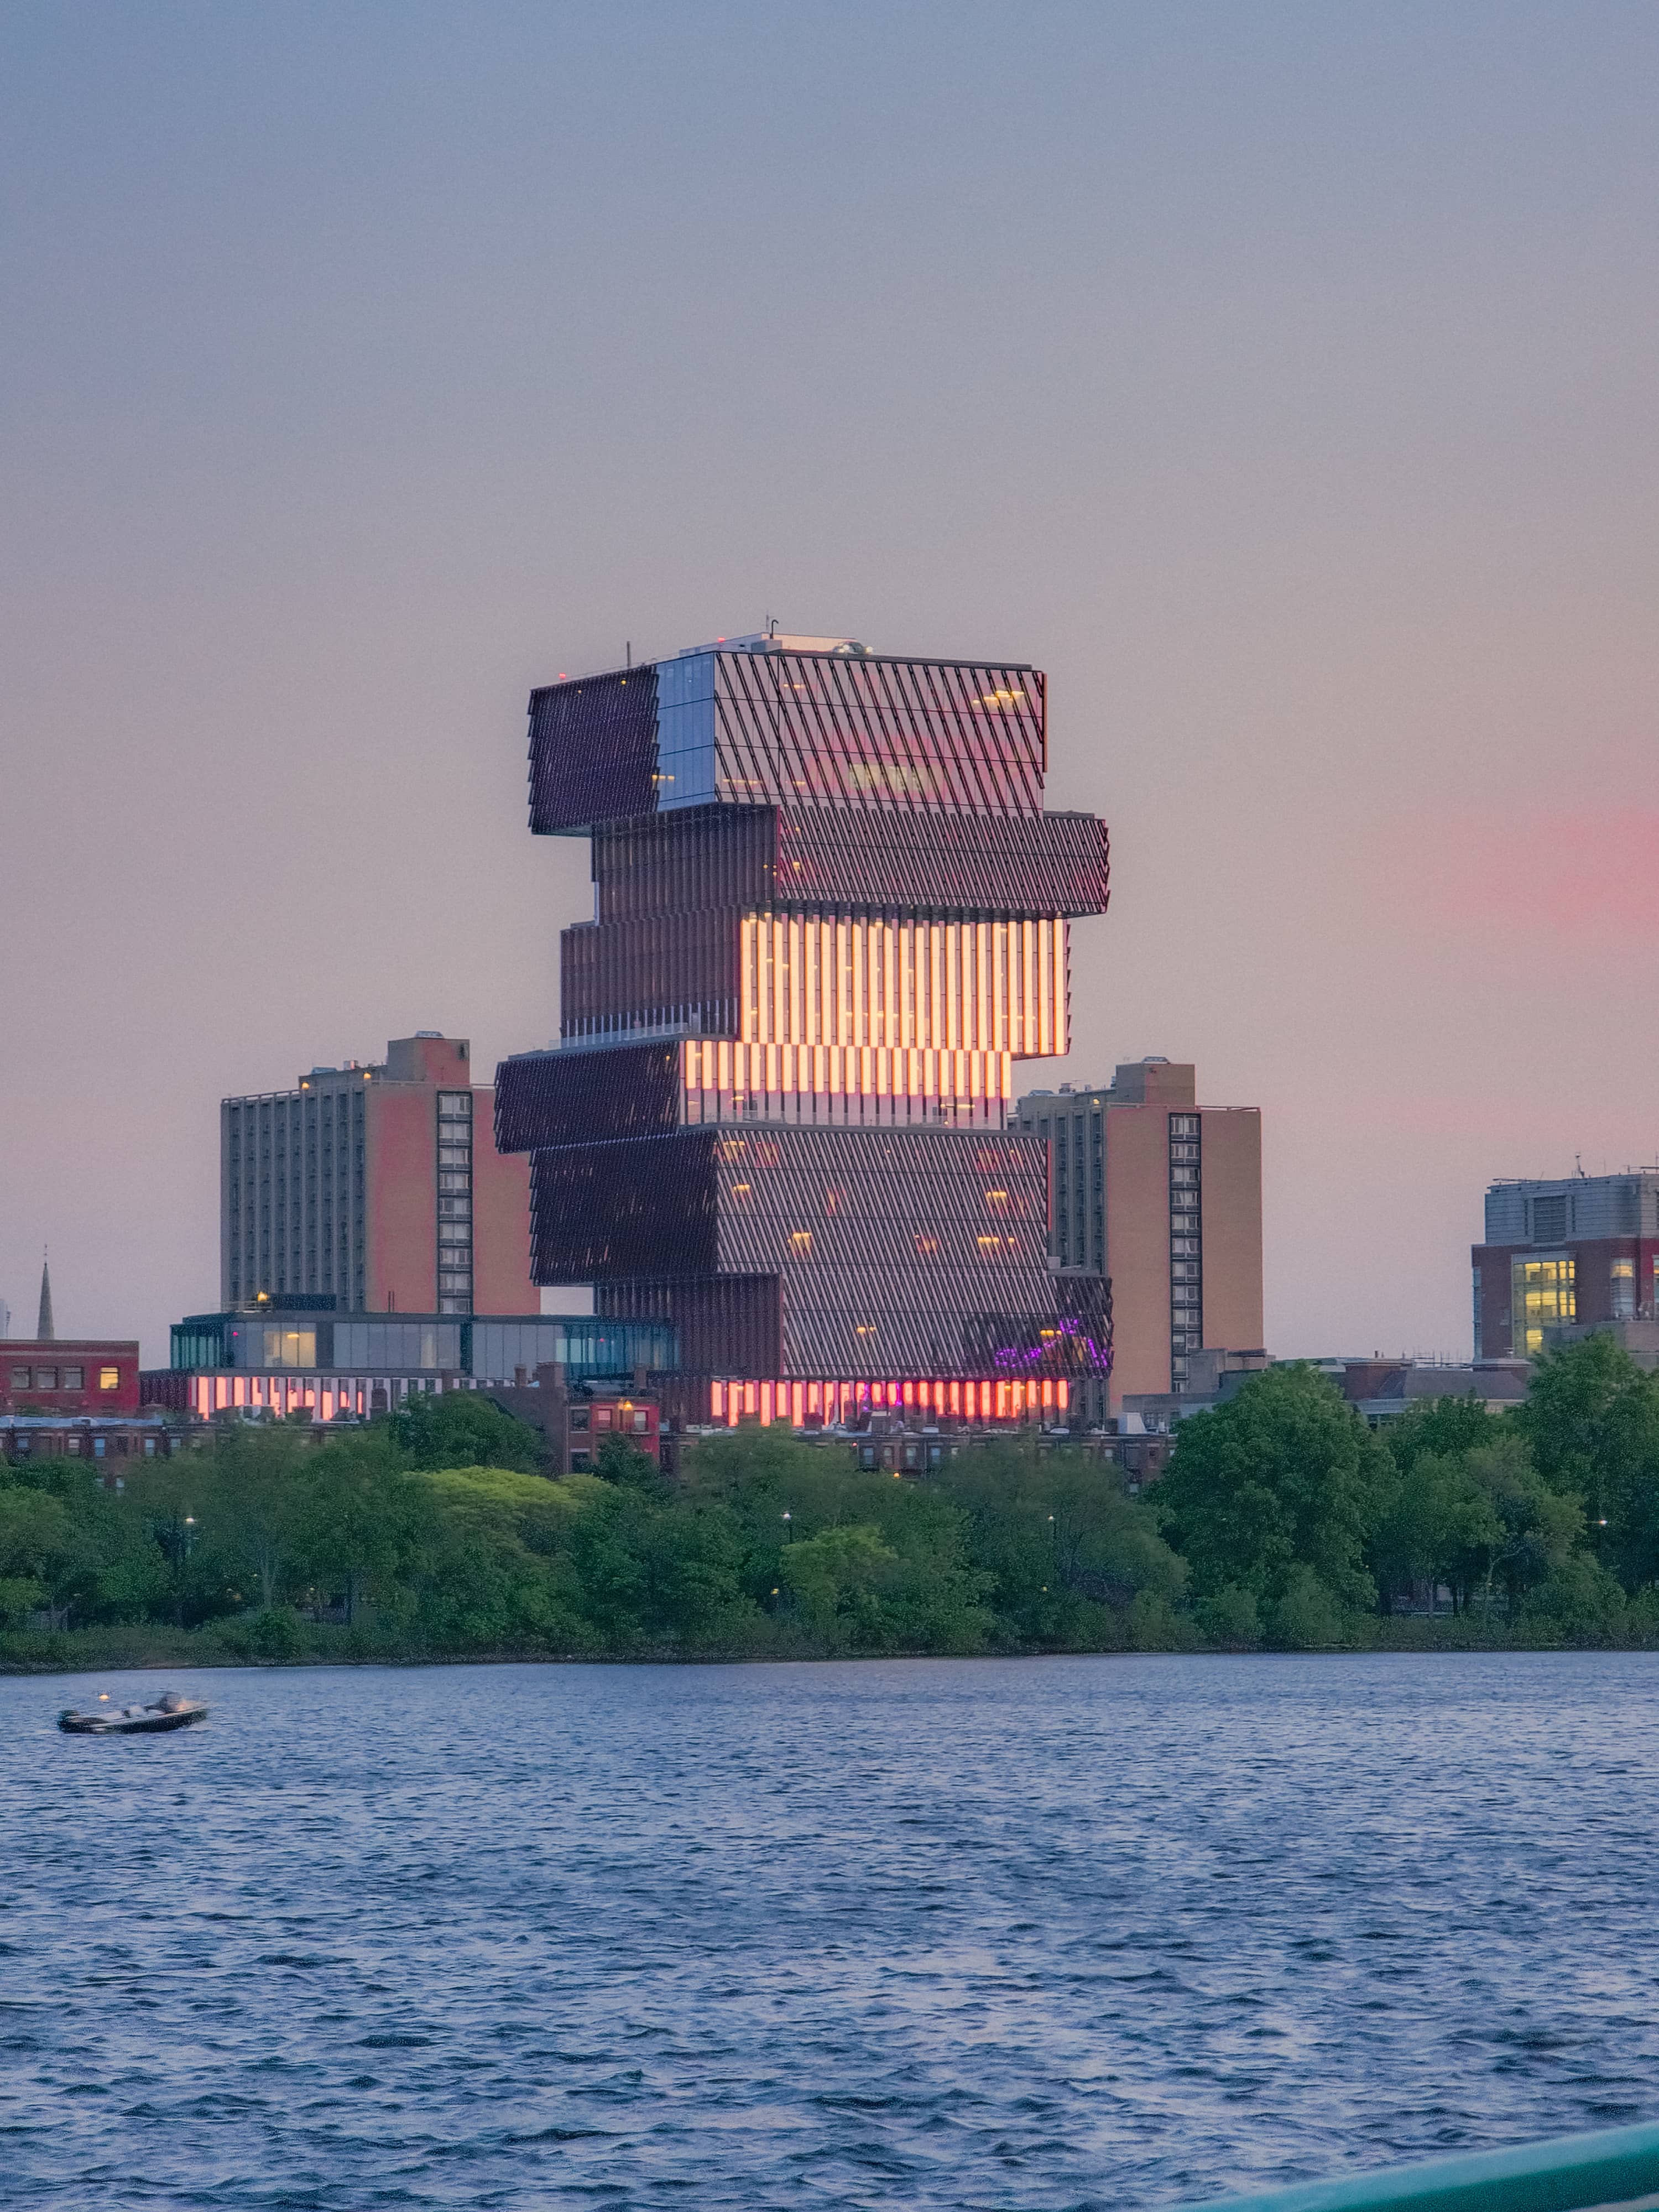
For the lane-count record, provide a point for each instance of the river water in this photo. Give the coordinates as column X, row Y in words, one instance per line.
column 1069, row 1932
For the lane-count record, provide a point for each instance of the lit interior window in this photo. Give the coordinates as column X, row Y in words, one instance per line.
column 1543, row 1295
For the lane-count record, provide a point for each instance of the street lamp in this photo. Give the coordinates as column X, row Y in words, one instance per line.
column 177, row 1538
column 788, row 1528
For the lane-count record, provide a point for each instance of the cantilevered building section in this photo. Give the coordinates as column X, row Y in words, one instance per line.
column 829, row 914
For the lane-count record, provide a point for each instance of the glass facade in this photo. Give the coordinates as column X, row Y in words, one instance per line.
column 401, row 1344
column 592, row 1348
column 831, row 913
column 825, row 730
column 811, row 858
column 1543, row 1294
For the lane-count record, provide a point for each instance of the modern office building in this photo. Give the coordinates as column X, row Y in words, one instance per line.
column 1162, row 1197
column 830, row 912
column 1580, row 1250
column 293, row 1355
column 378, row 1186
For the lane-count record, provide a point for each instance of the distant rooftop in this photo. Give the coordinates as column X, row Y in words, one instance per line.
column 766, row 641
column 1576, row 1179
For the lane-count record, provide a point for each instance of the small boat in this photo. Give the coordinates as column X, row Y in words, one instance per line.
column 169, row 1711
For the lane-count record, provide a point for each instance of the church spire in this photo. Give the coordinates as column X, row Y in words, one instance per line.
column 44, row 1334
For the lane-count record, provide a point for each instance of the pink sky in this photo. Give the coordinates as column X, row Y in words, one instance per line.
column 1282, row 381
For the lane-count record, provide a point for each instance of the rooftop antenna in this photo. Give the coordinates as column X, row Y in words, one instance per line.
column 1578, row 1167
column 629, row 650
column 771, row 625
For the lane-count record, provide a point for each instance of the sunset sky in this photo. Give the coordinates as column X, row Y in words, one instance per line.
column 1280, row 379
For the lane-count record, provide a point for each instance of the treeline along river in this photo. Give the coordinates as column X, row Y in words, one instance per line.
column 1069, row 1932
column 1282, row 1521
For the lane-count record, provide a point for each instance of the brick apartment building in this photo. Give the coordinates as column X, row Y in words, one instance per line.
column 1162, row 1197
column 378, row 1186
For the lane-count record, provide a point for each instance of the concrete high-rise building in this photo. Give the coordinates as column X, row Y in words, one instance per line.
column 1162, row 1197
column 830, row 912
column 378, row 1185
column 1579, row 1251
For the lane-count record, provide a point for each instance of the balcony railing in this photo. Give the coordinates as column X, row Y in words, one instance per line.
column 1616, row 2170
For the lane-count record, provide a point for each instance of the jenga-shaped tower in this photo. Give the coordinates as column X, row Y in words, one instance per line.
column 830, row 914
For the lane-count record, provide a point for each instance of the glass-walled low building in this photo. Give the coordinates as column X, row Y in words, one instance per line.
column 352, row 1365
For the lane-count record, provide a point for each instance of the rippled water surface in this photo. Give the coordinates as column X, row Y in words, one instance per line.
column 1110, row 1932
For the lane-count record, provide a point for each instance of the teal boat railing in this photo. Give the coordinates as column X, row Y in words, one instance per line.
column 1618, row 2167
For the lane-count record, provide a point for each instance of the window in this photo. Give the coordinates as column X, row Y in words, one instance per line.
column 1549, row 1218
column 602, row 1417
column 579, row 1420
column 641, row 1421
column 454, row 1105
column 72, row 1446
column 98, row 1446
column 283, row 1347
column 580, row 1462
column 454, row 1156
column 20, row 1376
column 1623, row 1286
column 1543, row 1294
column 46, row 1378
column 800, row 1244
column 75, row 1378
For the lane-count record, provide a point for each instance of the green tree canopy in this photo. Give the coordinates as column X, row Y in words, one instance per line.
column 463, row 1428
column 1281, row 1477
column 1591, row 1417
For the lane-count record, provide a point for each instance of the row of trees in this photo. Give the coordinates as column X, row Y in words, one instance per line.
column 1282, row 1520
column 1293, row 1517
column 269, row 1546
